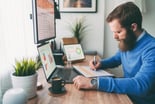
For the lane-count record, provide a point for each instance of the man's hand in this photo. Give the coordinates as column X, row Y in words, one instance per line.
column 96, row 66
column 82, row 82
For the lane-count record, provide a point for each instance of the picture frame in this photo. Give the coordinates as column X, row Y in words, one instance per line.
column 73, row 52
column 78, row 6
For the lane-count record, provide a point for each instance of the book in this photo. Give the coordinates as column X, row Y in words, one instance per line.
column 88, row 72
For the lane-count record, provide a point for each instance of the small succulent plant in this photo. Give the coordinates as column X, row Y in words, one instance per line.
column 26, row 66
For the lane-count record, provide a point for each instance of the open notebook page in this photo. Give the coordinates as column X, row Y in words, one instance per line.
column 87, row 72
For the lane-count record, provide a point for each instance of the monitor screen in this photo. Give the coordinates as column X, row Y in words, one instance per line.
column 43, row 20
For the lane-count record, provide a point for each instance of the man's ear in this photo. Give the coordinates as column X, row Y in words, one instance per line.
column 133, row 26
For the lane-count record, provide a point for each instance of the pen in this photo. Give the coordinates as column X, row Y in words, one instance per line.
column 94, row 60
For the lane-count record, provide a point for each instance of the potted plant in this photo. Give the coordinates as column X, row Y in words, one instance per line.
column 78, row 28
column 25, row 75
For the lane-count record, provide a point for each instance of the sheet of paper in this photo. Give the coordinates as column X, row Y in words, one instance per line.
column 87, row 72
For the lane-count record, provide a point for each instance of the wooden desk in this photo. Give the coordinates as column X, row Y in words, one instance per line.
column 75, row 96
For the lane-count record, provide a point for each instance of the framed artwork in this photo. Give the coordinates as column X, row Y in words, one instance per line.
column 74, row 52
column 78, row 6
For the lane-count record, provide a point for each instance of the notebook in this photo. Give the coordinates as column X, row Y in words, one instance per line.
column 50, row 68
column 87, row 72
column 73, row 52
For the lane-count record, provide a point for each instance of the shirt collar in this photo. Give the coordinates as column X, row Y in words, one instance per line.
column 141, row 35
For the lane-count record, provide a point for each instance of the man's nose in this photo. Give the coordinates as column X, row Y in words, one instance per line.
column 115, row 36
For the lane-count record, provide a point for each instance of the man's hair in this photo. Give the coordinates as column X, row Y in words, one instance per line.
column 127, row 14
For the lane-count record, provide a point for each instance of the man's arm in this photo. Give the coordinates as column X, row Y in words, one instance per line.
column 111, row 62
column 140, row 84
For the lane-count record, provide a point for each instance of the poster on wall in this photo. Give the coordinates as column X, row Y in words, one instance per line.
column 80, row 6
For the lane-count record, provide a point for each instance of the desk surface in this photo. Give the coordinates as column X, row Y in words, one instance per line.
column 75, row 96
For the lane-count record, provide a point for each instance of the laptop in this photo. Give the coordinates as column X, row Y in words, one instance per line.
column 51, row 69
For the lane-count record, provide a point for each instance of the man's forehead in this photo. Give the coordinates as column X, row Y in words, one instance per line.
column 115, row 25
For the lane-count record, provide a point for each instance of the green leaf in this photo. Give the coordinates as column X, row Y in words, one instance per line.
column 78, row 28
column 26, row 66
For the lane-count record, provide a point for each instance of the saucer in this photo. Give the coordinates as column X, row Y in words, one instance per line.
column 63, row 90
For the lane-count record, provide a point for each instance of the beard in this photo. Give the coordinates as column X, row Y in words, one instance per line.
column 129, row 42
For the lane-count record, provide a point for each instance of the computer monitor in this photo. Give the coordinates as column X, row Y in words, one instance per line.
column 43, row 20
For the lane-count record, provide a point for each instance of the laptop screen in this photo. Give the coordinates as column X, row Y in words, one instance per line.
column 47, row 59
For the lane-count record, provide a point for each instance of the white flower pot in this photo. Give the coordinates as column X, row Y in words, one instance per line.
column 28, row 83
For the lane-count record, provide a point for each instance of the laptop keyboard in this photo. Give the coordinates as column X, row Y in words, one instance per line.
column 66, row 74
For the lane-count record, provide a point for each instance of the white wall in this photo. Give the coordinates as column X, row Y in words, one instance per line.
column 149, row 17
column 94, row 39
column 15, row 31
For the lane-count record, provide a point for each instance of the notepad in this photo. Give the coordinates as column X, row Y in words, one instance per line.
column 87, row 72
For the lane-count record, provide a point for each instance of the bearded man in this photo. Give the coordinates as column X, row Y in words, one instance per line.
column 136, row 54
